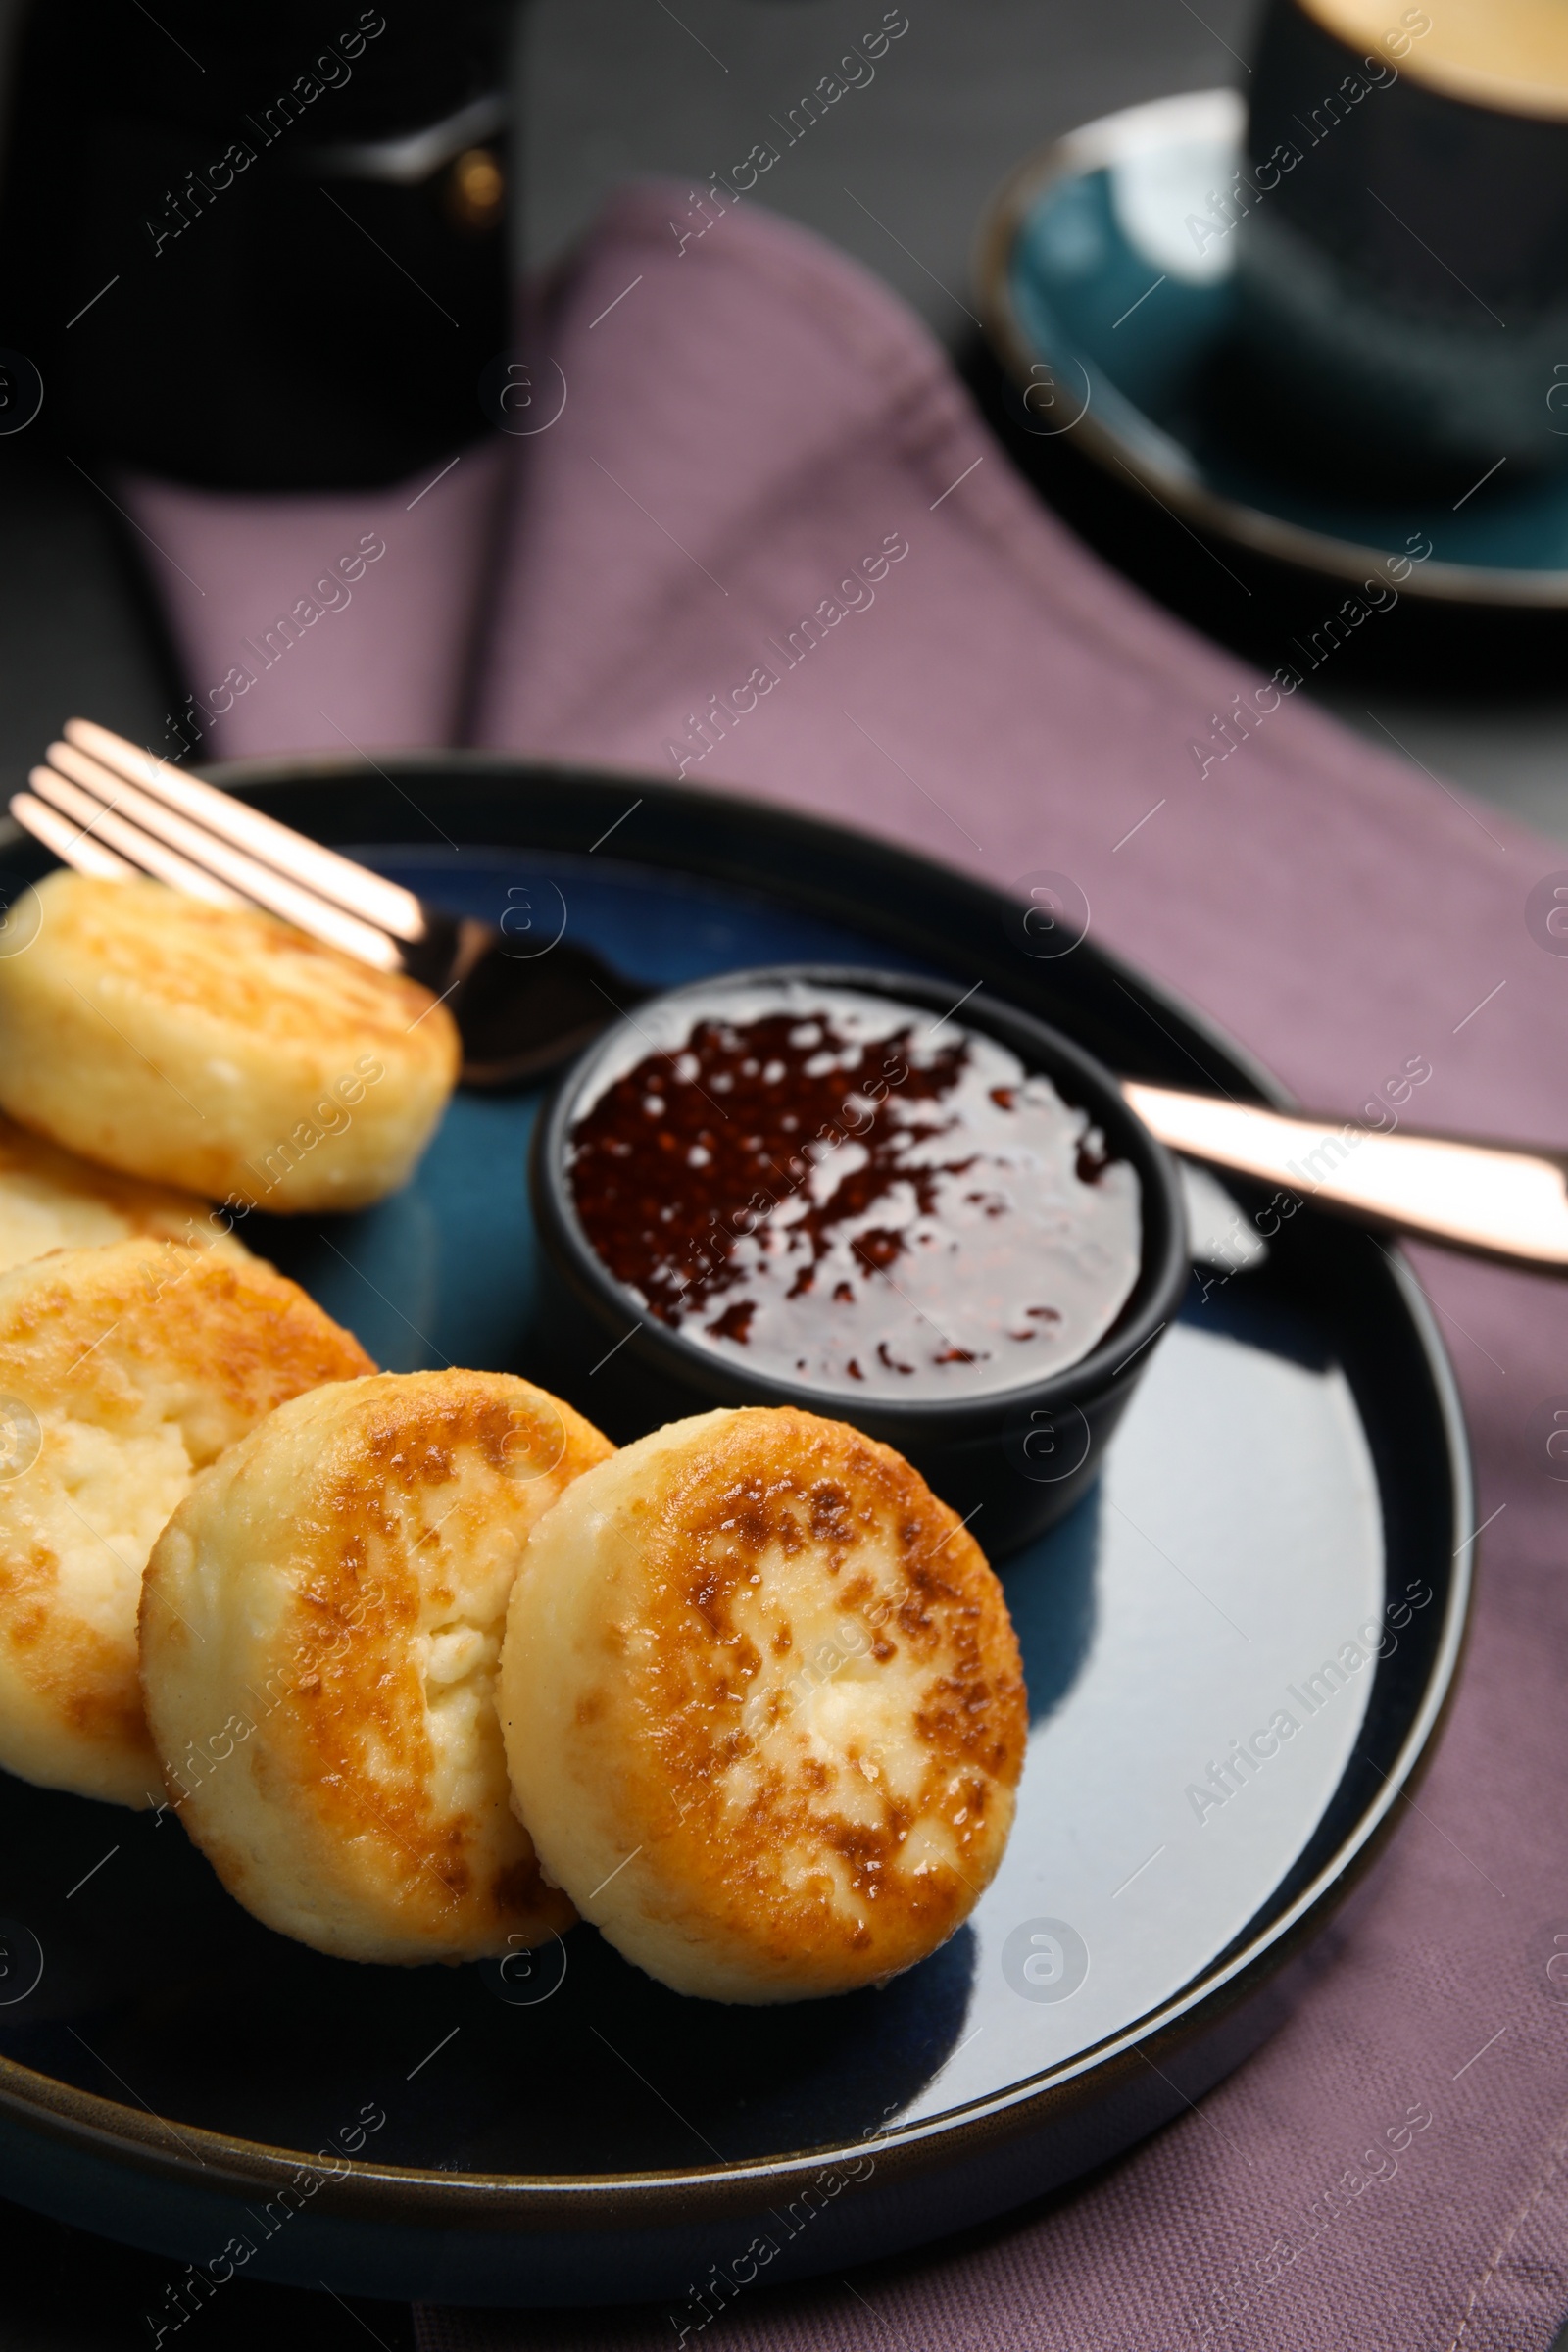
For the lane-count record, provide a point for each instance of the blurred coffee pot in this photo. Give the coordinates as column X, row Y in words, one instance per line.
column 258, row 250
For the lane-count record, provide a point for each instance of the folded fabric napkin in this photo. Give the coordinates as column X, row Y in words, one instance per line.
column 337, row 624
column 767, row 543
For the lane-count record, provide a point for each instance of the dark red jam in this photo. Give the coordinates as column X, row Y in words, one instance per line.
column 853, row 1193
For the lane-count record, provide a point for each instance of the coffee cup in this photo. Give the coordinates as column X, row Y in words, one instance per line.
column 1402, row 232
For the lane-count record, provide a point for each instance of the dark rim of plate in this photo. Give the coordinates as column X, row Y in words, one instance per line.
column 873, row 886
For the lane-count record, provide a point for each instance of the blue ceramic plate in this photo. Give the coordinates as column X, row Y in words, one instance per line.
column 1286, row 1497
column 1105, row 277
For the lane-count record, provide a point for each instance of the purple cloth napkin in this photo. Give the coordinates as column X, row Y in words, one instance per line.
column 334, row 625
column 767, row 543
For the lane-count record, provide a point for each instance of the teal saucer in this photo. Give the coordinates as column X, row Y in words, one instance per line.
column 1105, row 273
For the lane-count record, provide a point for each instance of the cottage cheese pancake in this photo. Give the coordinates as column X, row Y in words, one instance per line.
column 124, row 1370
column 217, row 1048
column 51, row 1200
column 320, row 1630
column 764, row 1707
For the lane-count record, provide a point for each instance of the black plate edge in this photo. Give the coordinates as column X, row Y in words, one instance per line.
column 849, row 846
column 1190, row 2019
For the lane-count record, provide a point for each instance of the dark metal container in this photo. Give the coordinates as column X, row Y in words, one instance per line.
column 258, row 251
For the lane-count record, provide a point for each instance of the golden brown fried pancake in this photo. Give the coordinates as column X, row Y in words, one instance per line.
column 217, row 1048
column 764, row 1706
column 51, row 1200
column 123, row 1371
column 321, row 1631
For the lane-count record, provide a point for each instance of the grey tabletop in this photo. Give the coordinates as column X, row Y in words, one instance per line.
column 609, row 88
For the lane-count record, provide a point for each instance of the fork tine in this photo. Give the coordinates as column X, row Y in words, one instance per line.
column 196, row 850
column 128, row 841
column 69, row 843
column 369, row 896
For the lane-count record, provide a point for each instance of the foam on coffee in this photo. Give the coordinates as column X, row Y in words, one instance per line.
column 1508, row 54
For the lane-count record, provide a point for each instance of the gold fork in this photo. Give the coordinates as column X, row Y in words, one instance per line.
column 106, row 808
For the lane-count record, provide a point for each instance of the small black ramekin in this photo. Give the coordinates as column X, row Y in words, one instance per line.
column 1017, row 1459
